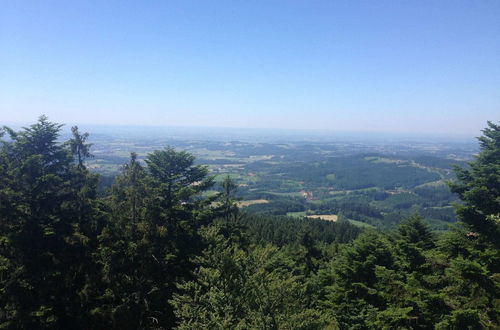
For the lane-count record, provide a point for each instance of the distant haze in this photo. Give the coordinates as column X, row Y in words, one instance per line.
column 421, row 68
column 259, row 135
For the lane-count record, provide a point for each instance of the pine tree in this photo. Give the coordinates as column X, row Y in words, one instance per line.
column 46, row 231
column 79, row 148
column 472, row 280
column 151, row 237
column 479, row 188
column 414, row 237
column 235, row 288
column 352, row 295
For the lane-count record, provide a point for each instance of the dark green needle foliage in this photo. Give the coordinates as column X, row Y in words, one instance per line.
column 47, row 230
column 79, row 148
column 236, row 287
column 154, row 252
column 479, row 188
column 151, row 237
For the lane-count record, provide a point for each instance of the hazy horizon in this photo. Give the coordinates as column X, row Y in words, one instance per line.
column 421, row 68
column 256, row 134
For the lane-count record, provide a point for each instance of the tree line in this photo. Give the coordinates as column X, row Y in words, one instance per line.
column 154, row 253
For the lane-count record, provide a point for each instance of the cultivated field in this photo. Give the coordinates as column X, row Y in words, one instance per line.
column 327, row 217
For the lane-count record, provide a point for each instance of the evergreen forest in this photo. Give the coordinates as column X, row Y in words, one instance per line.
column 154, row 251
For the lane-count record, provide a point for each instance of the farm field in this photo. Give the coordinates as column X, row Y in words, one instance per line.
column 252, row 202
column 327, row 217
column 370, row 183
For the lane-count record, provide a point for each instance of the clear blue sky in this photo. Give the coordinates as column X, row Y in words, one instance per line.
column 416, row 66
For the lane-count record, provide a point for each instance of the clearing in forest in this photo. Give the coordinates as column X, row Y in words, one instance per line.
column 327, row 217
column 252, row 202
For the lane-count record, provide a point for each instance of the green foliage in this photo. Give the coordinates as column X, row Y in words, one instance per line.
column 228, row 207
column 152, row 252
column 78, row 146
column 281, row 230
column 236, row 288
column 151, row 237
column 479, row 187
column 411, row 280
column 414, row 230
column 414, row 237
column 357, row 172
column 176, row 177
column 48, row 225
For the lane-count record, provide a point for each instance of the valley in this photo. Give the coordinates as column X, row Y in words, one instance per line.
column 370, row 184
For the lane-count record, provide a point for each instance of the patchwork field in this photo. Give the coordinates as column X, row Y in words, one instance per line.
column 372, row 184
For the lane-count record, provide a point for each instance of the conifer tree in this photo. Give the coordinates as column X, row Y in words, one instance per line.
column 479, row 188
column 151, row 237
column 414, row 237
column 45, row 238
column 79, row 148
column 352, row 295
column 472, row 280
column 235, row 288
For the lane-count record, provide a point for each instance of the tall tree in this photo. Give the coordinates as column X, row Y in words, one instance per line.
column 414, row 237
column 79, row 148
column 44, row 238
column 351, row 295
column 177, row 178
column 478, row 186
column 151, row 238
column 228, row 206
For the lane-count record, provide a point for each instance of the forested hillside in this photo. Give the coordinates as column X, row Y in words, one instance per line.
column 157, row 251
column 369, row 183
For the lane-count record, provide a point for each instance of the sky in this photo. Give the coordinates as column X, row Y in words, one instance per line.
column 360, row 66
